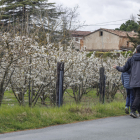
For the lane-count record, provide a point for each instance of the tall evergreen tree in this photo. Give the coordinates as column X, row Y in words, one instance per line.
column 136, row 39
column 22, row 12
column 13, row 9
column 129, row 25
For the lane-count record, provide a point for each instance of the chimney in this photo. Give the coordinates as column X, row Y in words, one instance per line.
column 132, row 31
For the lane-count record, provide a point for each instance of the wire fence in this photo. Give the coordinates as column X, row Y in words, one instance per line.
column 99, row 93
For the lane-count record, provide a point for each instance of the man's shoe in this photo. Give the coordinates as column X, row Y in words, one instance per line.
column 133, row 114
column 126, row 110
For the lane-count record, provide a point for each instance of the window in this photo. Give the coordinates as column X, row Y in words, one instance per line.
column 76, row 39
column 127, row 43
column 101, row 33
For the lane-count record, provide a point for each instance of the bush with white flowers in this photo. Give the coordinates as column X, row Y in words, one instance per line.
column 31, row 68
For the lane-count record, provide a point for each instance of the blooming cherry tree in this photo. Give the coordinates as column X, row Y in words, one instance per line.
column 30, row 69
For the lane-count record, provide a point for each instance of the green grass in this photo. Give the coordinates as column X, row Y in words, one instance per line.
column 88, row 98
column 14, row 118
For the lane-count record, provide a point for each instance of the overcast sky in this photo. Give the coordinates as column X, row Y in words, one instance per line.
column 102, row 11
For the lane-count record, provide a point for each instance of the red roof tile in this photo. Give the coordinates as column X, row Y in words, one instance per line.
column 121, row 33
column 79, row 33
column 118, row 32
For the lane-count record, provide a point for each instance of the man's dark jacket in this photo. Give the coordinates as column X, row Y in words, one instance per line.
column 132, row 63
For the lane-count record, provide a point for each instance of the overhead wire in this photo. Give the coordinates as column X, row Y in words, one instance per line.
column 100, row 24
column 104, row 24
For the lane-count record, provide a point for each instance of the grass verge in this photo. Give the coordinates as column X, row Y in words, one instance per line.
column 14, row 118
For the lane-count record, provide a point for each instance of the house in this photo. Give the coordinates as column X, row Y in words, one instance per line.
column 107, row 40
column 78, row 38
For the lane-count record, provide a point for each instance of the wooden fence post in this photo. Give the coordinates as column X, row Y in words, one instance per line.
column 102, row 84
column 30, row 61
column 59, row 83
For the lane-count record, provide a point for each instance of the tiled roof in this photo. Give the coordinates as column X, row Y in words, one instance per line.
column 79, row 33
column 118, row 32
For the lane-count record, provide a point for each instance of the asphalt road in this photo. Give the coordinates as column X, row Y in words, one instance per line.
column 114, row 128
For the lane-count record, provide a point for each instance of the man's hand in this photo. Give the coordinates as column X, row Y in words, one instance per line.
column 114, row 66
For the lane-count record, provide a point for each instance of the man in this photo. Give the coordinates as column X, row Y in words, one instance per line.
column 133, row 63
